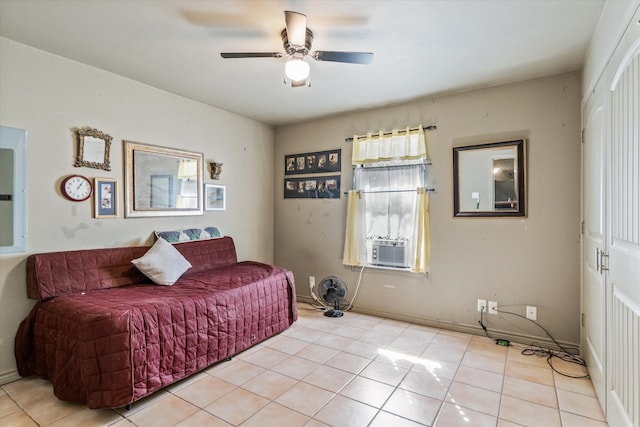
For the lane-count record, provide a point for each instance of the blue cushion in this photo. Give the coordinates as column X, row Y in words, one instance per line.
column 189, row 234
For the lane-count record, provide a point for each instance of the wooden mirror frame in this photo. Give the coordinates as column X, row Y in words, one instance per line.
column 82, row 158
column 520, row 180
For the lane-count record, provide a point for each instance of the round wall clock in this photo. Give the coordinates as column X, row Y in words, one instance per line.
column 76, row 188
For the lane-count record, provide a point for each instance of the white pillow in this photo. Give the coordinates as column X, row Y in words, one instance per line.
column 162, row 263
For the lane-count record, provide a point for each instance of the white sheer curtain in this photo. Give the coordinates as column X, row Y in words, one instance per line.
column 390, row 201
column 390, row 197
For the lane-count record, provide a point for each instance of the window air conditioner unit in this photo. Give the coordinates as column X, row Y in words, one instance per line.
column 390, row 253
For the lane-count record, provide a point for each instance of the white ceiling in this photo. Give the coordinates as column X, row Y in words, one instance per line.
column 422, row 48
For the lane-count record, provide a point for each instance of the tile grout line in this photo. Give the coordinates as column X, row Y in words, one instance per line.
column 357, row 374
column 21, row 407
column 442, row 403
column 504, row 377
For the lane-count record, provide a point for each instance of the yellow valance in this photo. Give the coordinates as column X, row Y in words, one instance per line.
column 405, row 144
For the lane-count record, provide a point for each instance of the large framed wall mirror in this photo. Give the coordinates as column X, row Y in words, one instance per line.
column 161, row 181
column 489, row 180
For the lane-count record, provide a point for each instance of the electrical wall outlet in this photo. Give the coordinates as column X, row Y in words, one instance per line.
column 493, row 307
column 482, row 305
column 532, row 312
column 312, row 281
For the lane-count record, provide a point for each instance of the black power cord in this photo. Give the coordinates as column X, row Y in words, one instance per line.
column 537, row 350
column 498, row 341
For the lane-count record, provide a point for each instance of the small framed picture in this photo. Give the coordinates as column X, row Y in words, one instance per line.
column 214, row 197
column 105, row 198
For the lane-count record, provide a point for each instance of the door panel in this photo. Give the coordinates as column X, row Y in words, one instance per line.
column 623, row 235
column 594, row 292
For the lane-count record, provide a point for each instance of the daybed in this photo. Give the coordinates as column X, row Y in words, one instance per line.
column 105, row 334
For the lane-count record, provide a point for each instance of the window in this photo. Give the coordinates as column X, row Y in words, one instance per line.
column 387, row 219
column 390, row 198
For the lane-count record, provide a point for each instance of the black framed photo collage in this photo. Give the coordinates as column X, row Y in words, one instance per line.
column 326, row 186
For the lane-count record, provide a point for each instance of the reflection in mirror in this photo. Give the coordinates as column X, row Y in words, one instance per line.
column 162, row 181
column 505, row 195
column 93, row 148
column 13, row 180
column 489, row 180
column 161, row 192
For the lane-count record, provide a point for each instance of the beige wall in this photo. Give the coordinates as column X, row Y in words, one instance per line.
column 48, row 95
column 516, row 262
column 513, row 261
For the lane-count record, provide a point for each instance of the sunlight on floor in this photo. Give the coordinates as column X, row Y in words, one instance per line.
column 358, row 370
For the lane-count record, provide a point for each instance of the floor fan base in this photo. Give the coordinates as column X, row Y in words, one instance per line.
column 333, row 313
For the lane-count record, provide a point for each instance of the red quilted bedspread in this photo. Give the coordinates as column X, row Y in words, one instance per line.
column 110, row 347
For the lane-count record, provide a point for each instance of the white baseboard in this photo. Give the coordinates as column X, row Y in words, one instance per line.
column 9, row 377
column 523, row 339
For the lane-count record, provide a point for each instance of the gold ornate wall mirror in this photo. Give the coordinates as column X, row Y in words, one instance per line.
column 93, row 148
column 161, row 181
column 489, row 180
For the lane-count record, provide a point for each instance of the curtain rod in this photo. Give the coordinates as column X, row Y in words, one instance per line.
column 393, row 191
column 425, row 127
column 363, row 166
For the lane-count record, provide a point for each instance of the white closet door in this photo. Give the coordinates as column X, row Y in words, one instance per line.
column 594, row 239
column 623, row 234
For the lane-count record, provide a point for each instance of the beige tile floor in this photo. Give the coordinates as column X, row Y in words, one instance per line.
column 357, row 370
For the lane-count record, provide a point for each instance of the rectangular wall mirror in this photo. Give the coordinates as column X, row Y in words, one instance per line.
column 161, row 181
column 489, row 180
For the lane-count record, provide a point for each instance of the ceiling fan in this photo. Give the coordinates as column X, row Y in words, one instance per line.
column 297, row 39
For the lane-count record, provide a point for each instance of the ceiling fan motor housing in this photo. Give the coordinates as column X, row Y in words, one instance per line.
column 292, row 49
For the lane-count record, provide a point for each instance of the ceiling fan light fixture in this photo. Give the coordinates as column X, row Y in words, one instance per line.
column 296, row 41
column 296, row 69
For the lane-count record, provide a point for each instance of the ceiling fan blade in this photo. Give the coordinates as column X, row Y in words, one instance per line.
column 349, row 57
column 235, row 55
column 296, row 27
